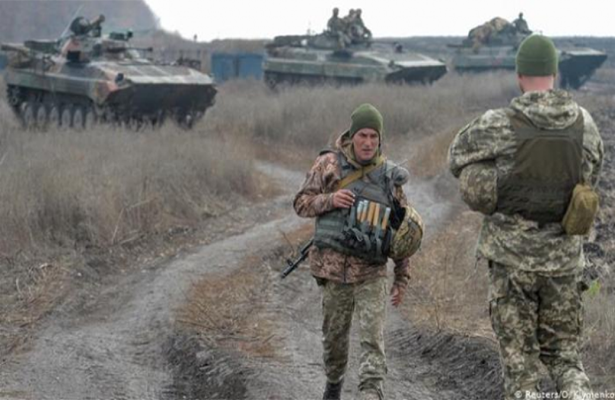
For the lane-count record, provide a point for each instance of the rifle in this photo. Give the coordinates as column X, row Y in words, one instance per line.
column 293, row 264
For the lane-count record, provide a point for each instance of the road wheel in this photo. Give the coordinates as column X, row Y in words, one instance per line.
column 14, row 97
column 28, row 115
column 42, row 116
column 78, row 117
column 160, row 119
column 54, row 118
column 66, row 116
column 90, row 119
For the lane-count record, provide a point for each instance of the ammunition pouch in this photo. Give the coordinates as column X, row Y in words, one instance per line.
column 341, row 231
column 582, row 210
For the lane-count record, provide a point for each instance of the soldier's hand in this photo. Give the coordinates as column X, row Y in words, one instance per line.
column 397, row 296
column 343, row 198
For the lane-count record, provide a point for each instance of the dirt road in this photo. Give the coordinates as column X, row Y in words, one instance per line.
column 119, row 341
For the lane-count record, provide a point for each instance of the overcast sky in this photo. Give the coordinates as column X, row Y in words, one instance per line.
column 221, row 19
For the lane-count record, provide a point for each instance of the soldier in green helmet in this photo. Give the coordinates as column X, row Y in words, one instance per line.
column 523, row 167
column 348, row 191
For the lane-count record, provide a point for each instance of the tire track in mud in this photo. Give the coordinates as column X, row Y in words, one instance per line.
column 128, row 348
column 119, row 351
column 422, row 365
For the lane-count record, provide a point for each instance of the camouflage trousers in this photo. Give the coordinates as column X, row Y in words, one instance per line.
column 339, row 303
column 537, row 320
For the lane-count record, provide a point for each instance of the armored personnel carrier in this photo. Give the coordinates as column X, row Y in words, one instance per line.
column 85, row 77
column 325, row 58
column 493, row 46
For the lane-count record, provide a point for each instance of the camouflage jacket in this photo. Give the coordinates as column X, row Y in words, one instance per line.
column 486, row 147
column 315, row 197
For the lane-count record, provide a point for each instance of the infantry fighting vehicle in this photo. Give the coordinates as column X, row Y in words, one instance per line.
column 86, row 77
column 494, row 46
column 319, row 59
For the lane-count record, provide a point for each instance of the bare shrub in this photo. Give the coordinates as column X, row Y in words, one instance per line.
column 600, row 331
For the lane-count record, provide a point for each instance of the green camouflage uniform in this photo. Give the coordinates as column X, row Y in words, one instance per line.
column 535, row 303
column 339, row 301
column 349, row 284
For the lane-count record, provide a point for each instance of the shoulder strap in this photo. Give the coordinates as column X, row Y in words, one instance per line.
column 357, row 174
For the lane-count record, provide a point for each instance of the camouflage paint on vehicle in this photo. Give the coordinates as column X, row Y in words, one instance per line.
column 318, row 59
column 86, row 76
column 576, row 63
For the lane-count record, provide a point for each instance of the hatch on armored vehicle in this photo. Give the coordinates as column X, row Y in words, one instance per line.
column 345, row 53
column 493, row 45
column 86, row 77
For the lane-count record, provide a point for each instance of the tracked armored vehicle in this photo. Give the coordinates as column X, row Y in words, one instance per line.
column 319, row 59
column 85, row 77
column 493, row 46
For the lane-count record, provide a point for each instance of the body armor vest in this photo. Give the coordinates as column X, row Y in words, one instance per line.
column 344, row 231
column 547, row 166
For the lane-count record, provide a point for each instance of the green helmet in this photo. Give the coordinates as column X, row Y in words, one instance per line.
column 408, row 237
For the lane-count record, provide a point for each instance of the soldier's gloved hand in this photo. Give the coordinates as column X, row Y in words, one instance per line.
column 343, row 198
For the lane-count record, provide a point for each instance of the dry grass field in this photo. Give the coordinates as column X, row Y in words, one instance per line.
column 304, row 120
column 64, row 193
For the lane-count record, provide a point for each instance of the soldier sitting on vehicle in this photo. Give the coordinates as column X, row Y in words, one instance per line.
column 357, row 30
column 77, row 48
column 336, row 28
column 521, row 25
column 482, row 34
column 348, row 19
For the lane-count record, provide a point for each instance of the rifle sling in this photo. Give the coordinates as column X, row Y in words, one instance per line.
column 358, row 174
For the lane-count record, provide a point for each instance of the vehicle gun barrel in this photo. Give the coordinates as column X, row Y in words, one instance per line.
column 15, row 48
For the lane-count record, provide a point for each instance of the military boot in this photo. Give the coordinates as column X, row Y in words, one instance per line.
column 333, row 391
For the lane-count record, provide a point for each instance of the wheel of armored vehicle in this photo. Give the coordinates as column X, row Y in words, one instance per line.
column 28, row 115
column 54, row 116
column 66, row 116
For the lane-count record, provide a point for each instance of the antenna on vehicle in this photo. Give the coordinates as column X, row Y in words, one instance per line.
column 70, row 22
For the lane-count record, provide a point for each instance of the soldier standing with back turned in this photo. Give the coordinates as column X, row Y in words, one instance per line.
column 346, row 258
column 529, row 169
